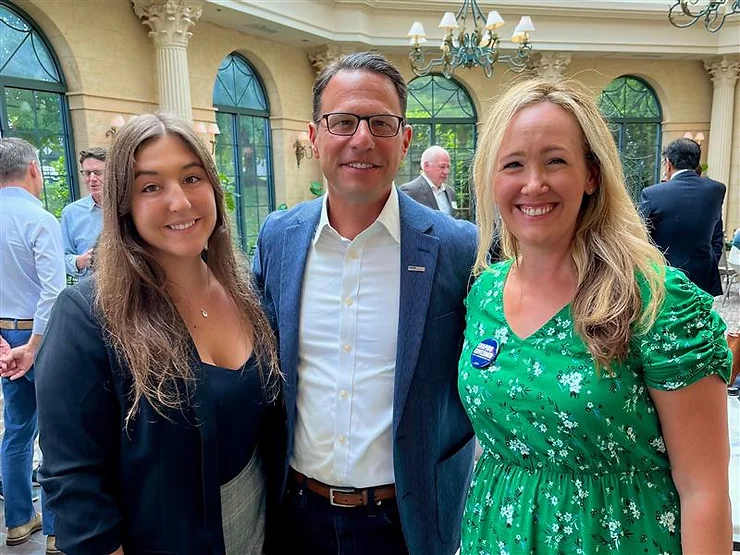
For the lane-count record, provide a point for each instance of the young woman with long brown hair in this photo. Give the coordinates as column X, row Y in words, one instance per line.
column 157, row 378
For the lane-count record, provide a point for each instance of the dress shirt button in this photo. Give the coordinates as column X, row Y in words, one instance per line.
column 352, row 254
column 347, row 348
column 348, row 301
column 343, row 394
column 341, row 438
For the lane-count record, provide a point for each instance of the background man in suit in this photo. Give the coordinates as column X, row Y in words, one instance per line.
column 366, row 288
column 429, row 188
column 684, row 215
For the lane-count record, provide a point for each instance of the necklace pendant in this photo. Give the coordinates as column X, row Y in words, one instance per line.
column 204, row 313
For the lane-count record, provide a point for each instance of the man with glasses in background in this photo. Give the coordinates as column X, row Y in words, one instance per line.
column 82, row 220
column 366, row 287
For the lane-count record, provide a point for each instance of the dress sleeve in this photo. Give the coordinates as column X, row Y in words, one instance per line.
column 687, row 341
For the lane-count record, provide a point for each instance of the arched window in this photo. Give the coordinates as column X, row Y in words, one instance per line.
column 244, row 147
column 633, row 111
column 33, row 105
column 441, row 113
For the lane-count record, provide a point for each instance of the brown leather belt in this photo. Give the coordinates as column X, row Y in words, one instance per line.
column 345, row 496
column 12, row 324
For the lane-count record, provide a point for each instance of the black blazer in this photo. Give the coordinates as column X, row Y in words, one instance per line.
column 153, row 487
column 419, row 190
column 684, row 217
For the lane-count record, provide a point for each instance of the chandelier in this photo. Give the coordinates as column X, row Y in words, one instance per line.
column 714, row 13
column 469, row 48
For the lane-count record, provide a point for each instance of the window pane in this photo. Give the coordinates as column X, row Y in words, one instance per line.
column 634, row 116
column 22, row 52
column 237, row 86
column 441, row 113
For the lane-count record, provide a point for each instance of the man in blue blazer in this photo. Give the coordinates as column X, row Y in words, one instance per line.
column 684, row 216
column 366, row 290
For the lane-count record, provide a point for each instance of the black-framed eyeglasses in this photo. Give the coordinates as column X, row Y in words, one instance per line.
column 88, row 173
column 345, row 125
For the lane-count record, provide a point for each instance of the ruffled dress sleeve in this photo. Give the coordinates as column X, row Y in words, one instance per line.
column 687, row 341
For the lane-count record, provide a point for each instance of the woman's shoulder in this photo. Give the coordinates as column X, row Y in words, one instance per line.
column 488, row 283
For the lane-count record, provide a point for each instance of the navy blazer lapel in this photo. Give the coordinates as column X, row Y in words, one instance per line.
column 296, row 244
column 419, row 250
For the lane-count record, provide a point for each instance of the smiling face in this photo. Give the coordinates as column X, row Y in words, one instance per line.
column 173, row 204
column 359, row 169
column 541, row 176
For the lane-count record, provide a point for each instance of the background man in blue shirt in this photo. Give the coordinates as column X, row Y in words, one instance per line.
column 82, row 220
column 32, row 275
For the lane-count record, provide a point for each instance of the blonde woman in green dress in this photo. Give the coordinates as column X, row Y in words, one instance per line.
column 594, row 375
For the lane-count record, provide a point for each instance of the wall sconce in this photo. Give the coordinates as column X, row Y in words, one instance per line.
column 698, row 138
column 302, row 147
column 210, row 129
column 115, row 123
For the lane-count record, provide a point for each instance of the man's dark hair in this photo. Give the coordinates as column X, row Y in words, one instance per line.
column 95, row 152
column 364, row 61
column 683, row 154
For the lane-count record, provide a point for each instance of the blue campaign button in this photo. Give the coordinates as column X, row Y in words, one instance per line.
column 484, row 353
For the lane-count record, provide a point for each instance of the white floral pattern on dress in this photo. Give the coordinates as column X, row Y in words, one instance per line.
column 573, row 460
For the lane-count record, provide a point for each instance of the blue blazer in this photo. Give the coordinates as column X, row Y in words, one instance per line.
column 684, row 217
column 432, row 436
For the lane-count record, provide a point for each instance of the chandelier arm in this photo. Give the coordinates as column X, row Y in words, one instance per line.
column 713, row 20
column 420, row 66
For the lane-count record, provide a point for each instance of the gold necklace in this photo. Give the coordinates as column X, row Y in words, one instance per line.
column 203, row 311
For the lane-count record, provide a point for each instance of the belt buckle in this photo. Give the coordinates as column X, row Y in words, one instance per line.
column 339, row 490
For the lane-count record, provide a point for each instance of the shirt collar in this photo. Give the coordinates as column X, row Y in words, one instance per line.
column 432, row 185
column 389, row 217
column 90, row 203
column 19, row 192
column 679, row 172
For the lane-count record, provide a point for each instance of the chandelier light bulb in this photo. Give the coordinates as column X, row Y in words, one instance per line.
column 525, row 25
column 417, row 31
column 494, row 21
column 448, row 21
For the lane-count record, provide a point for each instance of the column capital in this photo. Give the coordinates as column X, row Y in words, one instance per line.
column 723, row 70
column 324, row 56
column 550, row 65
column 170, row 21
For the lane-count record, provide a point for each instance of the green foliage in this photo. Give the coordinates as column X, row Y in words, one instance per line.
column 227, row 185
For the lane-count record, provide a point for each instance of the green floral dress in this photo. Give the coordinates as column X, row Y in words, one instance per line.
column 574, row 462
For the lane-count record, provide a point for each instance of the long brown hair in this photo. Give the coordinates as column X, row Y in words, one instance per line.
column 140, row 319
column 611, row 247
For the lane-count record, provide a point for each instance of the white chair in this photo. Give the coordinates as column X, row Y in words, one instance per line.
column 728, row 270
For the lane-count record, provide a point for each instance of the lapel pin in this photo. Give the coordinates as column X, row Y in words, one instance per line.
column 417, row 269
column 484, row 353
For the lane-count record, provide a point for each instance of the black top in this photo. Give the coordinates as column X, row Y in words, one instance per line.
column 152, row 484
column 238, row 406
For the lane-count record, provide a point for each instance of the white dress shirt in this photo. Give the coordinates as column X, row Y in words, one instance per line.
column 440, row 196
column 347, row 353
column 31, row 258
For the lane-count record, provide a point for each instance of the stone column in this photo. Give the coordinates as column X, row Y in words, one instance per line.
column 724, row 72
column 170, row 22
column 550, row 65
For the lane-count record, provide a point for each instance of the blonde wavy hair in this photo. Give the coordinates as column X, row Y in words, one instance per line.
column 140, row 320
column 611, row 248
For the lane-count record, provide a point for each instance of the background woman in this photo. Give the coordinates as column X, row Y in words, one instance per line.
column 592, row 373
column 155, row 377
